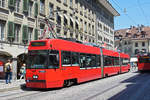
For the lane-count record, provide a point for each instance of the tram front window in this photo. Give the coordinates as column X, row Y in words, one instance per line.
column 37, row 59
column 53, row 61
column 43, row 59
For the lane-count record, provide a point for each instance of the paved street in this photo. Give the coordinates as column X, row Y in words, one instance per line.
column 128, row 86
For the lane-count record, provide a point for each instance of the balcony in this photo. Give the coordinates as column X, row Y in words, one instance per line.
column 71, row 30
column 65, row 28
column 58, row 26
column 76, row 31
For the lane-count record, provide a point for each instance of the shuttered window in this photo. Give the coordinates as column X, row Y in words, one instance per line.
column 36, row 34
column 25, row 5
column 10, row 30
column 11, row 3
column 36, row 9
column 25, row 33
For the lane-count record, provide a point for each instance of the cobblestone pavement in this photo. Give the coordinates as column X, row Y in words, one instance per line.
column 128, row 86
column 15, row 84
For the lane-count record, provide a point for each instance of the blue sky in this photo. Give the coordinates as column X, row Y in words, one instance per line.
column 132, row 12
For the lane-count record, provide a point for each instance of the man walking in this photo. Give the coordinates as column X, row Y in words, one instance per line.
column 8, row 71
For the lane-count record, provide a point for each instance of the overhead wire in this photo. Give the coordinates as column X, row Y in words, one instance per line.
column 139, row 4
column 123, row 10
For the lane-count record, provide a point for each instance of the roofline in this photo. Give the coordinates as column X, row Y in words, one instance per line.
column 110, row 8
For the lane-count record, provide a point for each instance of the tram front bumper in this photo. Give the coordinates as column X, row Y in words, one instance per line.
column 36, row 83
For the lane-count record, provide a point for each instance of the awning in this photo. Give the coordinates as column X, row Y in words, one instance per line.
column 66, row 16
column 77, row 22
column 72, row 19
column 59, row 14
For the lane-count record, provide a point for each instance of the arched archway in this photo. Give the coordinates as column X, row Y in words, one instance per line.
column 21, row 59
column 4, row 56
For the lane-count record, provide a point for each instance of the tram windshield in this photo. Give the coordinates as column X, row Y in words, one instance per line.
column 42, row 59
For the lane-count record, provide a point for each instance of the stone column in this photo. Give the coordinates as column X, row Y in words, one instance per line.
column 14, row 64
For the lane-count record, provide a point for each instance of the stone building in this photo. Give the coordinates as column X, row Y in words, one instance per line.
column 23, row 20
column 133, row 40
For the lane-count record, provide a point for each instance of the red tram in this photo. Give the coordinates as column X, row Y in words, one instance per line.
column 57, row 63
column 143, row 62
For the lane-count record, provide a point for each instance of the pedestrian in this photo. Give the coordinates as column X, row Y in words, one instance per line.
column 22, row 71
column 8, row 71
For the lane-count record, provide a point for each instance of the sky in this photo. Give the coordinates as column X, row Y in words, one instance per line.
column 132, row 12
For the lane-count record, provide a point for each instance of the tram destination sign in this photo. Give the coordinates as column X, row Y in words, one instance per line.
column 42, row 43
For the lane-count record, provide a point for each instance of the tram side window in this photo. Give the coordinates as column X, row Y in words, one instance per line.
column 53, row 59
column 88, row 60
column 116, row 61
column 75, row 59
column 66, row 58
column 108, row 61
column 82, row 60
column 144, row 60
column 98, row 60
column 93, row 61
column 125, row 61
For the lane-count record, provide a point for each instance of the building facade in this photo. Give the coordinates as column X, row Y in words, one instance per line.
column 133, row 40
column 23, row 20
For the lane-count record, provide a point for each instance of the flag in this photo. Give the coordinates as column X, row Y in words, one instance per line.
column 116, row 48
column 104, row 45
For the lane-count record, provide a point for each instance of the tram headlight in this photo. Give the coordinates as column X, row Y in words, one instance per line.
column 35, row 76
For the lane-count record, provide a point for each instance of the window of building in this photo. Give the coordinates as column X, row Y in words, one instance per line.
column 125, row 43
column 143, row 44
column 143, row 50
column 2, row 3
column 81, row 23
column 17, row 31
column 143, row 35
column 93, row 30
column 58, row 30
column 51, row 9
column 136, row 51
column 17, row 5
column 65, row 1
column 136, row 44
column 77, row 26
column 41, row 29
column 89, row 28
column 30, row 30
column 85, row 26
column 30, row 8
column 135, row 36
column 71, row 23
column 76, row 1
column 2, row 28
column 42, row 6
column 65, row 33
column 65, row 21
column 58, row 19
column 71, row 3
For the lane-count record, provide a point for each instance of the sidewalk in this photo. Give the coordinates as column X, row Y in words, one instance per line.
column 15, row 84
